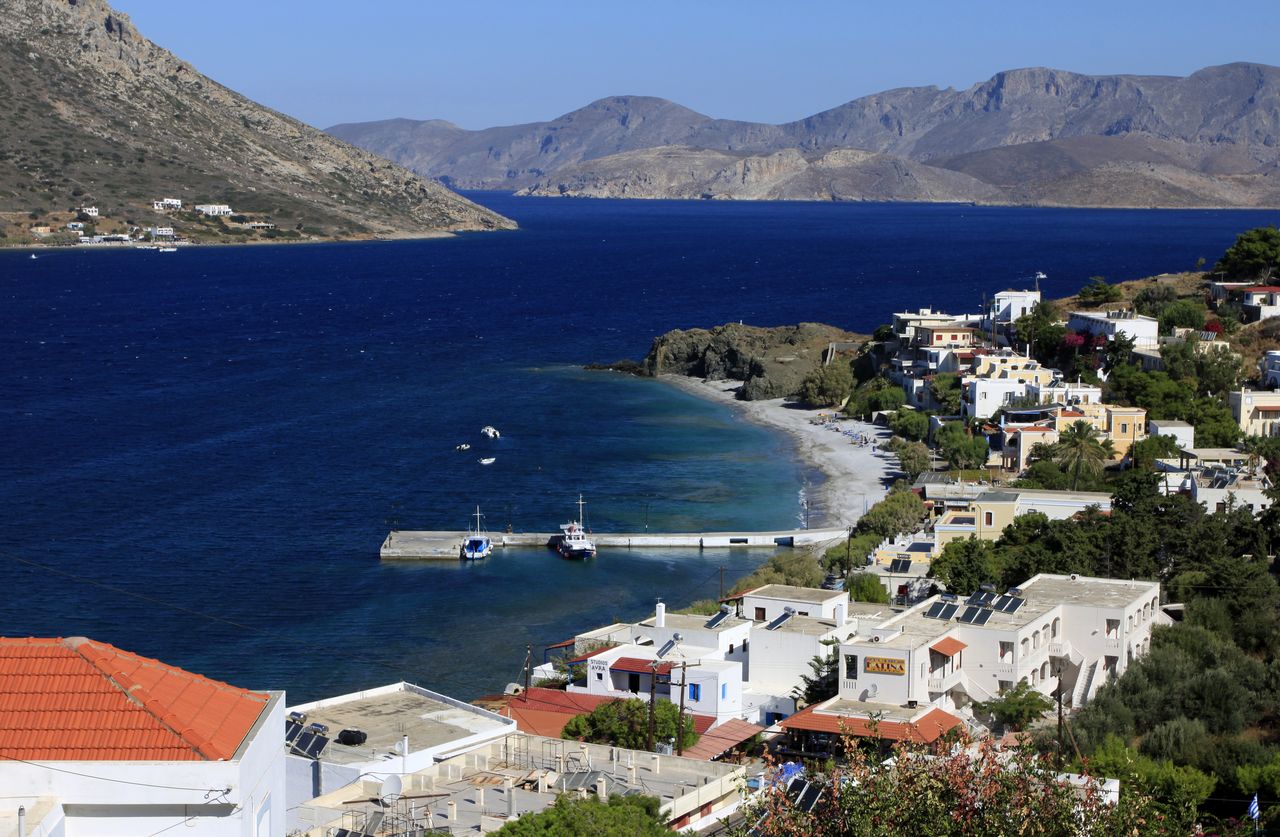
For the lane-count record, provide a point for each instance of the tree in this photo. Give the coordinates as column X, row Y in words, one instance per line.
column 795, row 568
column 913, row 458
column 1151, row 301
column 1255, row 255
column 1080, row 449
column 1017, row 707
column 851, row 554
column 865, row 587
column 823, row 682
column 945, row 390
column 1183, row 313
column 966, row 565
column 1098, row 292
column 910, row 424
column 827, row 386
column 960, row 449
column 625, row 723
column 900, row 511
column 1041, row 330
column 980, row 791
column 621, row 816
column 1145, row 453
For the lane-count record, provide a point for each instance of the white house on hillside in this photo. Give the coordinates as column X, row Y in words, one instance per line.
column 1144, row 331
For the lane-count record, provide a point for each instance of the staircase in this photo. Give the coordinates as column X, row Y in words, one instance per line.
column 1083, row 690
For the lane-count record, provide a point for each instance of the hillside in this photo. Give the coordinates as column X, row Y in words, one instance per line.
column 1036, row 136
column 95, row 114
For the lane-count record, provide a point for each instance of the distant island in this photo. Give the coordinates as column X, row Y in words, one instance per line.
column 1030, row 136
column 101, row 126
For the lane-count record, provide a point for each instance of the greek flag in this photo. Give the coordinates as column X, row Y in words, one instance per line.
column 1254, row 813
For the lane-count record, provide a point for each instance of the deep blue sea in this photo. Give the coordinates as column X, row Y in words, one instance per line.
column 204, row 450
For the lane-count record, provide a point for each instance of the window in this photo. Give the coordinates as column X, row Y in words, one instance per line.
column 989, row 518
column 731, row 648
column 599, row 675
column 1004, row 686
column 802, row 613
column 695, row 691
column 851, row 666
column 633, row 683
column 1113, row 628
column 1044, row 670
column 724, row 690
column 1006, row 652
column 1057, row 625
column 1026, row 647
column 1035, row 640
column 760, row 614
column 1124, row 427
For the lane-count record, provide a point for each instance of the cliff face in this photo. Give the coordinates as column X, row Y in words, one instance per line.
column 1221, row 125
column 771, row 362
column 95, row 113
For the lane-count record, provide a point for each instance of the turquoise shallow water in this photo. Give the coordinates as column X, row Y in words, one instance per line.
column 204, row 450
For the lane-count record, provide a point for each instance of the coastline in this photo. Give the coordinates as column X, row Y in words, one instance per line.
column 857, row 476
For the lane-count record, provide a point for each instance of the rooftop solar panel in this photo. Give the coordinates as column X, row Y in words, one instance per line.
column 291, row 730
column 935, row 610
column 969, row 613
column 983, row 615
column 717, row 619
column 948, row 611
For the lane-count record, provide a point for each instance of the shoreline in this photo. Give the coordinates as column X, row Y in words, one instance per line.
column 857, row 476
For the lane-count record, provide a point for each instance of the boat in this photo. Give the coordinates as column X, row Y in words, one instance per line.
column 490, row 431
column 574, row 543
column 168, row 249
column 463, row 446
column 146, row 247
column 34, row 256
column 476, row 544
column 488, row 460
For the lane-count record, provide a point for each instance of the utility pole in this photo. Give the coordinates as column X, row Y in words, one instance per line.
column 684, row 678
column 653, row 696
column 722, row 581
column 528, row 669
column 1061, row 745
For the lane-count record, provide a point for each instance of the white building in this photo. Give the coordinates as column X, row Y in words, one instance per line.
column 91, row 211
column 166, row 204
column 405, row 727
column 99, row 742
column 213, row 209
column 1257, row 412
column 1143, row 330
column 75, row 226
column 1260, row 302
column 1180, row 431
column 1005, row 309
column 1055, row 632
column 1271, row 369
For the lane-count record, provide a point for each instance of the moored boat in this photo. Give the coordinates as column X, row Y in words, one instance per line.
column 574, row 543
column 477, row 544
column 490, row 431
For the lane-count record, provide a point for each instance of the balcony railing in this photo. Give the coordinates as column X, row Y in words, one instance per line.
column 945, row 682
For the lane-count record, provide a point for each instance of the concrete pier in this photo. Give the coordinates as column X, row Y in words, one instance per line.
column 420, row 546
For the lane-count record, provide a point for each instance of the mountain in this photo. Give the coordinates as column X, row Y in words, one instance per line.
column 1208, row 139
column 95, row 114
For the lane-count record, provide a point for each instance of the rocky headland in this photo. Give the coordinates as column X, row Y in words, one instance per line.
column 770, row 362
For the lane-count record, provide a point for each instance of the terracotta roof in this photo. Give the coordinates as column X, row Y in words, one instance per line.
column 924, row 730
column 76, row 699
column 1035, row 430
column 542, row 711
column 715, row 742
column 588, row 655
column 565, row 644
column 1261, row 289
column 636, row 665
column 949, row 646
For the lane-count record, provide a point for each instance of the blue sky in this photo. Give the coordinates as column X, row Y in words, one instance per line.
column 494, row 63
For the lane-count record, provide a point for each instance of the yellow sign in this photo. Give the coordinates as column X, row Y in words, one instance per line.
column 884, row 665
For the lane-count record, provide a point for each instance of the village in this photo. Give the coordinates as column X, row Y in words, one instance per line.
column 906, row 650
column 89, row 225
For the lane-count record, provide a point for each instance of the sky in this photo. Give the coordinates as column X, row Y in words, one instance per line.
column 480, row 64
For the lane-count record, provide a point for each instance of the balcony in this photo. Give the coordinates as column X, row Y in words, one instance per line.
column 848, row 688
column 945, row 682
column 1111, row 644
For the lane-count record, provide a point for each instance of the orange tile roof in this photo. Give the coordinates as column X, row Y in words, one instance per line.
column 543, row 711
column 924, row 730
column 581, row 657
column 949, row 646
column 636, row 665
column 76, row 699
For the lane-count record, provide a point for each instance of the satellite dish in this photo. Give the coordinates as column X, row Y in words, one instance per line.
column 391, row 790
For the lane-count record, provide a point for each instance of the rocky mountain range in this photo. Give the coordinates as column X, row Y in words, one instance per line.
column 1033, row 136
column 94, row 113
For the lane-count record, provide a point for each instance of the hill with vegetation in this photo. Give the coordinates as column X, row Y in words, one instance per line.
column 97, row 115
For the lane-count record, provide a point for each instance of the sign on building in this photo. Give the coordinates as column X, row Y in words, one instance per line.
column 884, row 665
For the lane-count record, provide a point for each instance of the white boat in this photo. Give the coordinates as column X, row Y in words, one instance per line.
column 34, row 256
column 488, row 460
column 146, row 247
column 574, row 543
column 463, row 446
column 490, row 431
column 476, row 544
column 168, row 249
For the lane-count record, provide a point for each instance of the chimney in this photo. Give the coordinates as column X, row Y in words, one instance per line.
column 602, row 789
column 842, row 610
column 511, row 803
column 631, row 775
column 660, row 615
column 453, row 811
column 480, row 799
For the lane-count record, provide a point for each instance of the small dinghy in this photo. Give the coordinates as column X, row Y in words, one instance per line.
column 463, row 446
column 488, row 460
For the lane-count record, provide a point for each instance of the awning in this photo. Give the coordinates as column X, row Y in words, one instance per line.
column 949, row 646
column 564, row 644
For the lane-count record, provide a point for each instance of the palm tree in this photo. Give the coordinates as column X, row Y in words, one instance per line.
column 1081, row 449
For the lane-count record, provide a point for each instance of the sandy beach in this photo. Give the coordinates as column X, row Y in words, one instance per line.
column 857, row 475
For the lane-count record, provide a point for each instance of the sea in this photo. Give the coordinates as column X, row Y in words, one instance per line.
column 203, row 450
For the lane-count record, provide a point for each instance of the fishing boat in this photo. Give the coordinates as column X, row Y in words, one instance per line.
column 488, row 460
column 574, row 543
column 490, row 431
column 168, row 249
column 463, row 446
column 476, row 544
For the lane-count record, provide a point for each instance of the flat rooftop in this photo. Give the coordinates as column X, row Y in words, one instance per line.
column 388, row 713
column 693, row 622
column 786, row 592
